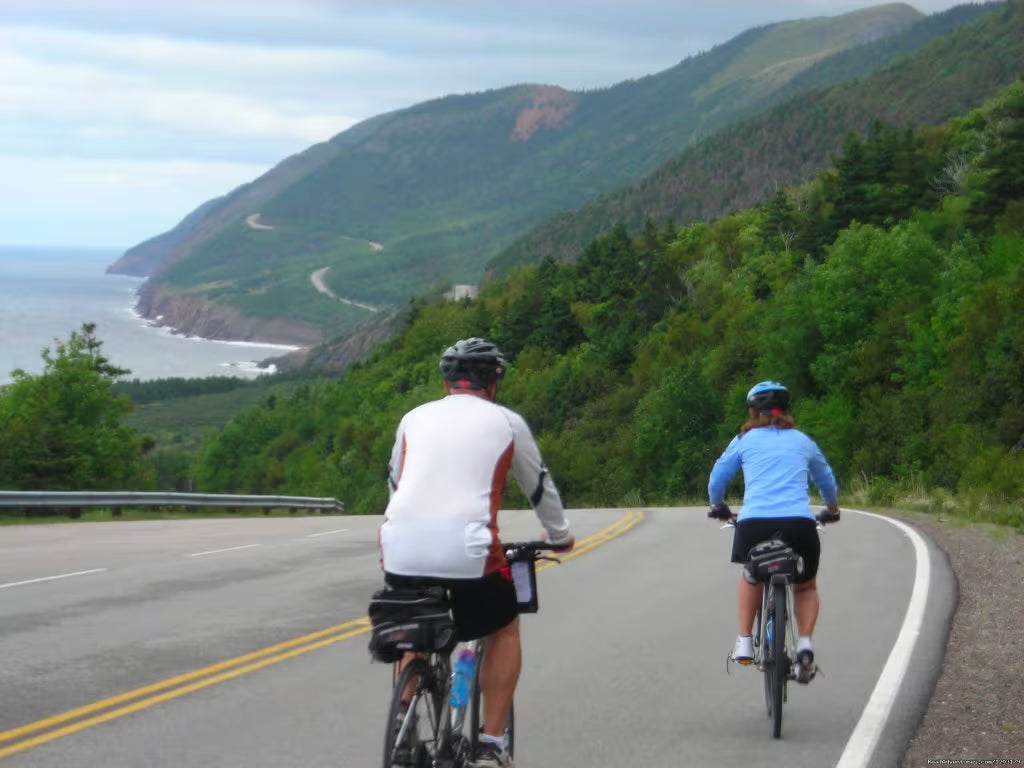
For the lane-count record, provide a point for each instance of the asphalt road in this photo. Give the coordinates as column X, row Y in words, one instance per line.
column 243, row 643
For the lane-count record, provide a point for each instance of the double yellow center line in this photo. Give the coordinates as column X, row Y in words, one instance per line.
column 66, row 723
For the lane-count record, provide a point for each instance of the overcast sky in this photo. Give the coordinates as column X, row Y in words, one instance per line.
column 119, row 117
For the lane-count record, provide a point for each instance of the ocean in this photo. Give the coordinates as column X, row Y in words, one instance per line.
column 46, row 293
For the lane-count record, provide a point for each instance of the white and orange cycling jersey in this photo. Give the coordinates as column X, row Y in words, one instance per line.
column 447, row 476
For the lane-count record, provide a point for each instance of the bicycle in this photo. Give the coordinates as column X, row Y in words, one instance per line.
column 424, row 729
column 774, row 564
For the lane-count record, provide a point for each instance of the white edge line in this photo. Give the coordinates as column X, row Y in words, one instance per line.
column 325, row 533
column 225, row 549
column 52, row 578
column 868, row 730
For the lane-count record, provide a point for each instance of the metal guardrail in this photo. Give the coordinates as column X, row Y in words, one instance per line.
column 117, row 500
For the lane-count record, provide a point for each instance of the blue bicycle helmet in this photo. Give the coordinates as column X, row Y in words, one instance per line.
column 768, row 396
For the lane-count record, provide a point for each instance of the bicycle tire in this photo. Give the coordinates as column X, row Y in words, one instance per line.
column 762, row 657
column 767, row 663
column 477, row 716
column 419, row 751
column 779, row 669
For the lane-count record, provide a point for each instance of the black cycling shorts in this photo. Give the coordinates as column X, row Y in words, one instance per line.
column 801, row 533
column 480, row 607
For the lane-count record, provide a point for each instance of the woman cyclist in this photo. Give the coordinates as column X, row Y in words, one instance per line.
column 776, row 459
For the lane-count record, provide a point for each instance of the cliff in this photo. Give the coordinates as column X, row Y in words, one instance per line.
column 194, row 316
column 334, row 358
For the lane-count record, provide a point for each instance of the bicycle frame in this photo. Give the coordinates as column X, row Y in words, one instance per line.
column 447, row 723
column 777, row 671
column 429, row 677
column 761, row 620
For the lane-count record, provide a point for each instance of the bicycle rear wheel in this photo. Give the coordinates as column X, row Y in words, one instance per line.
column 412, row 737
column 779, row 669
column 478, row 717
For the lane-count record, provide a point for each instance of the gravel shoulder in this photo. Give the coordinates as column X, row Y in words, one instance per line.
column 976, row 713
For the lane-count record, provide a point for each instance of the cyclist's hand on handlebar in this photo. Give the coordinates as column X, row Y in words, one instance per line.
column 829, row 515
column 720, row 512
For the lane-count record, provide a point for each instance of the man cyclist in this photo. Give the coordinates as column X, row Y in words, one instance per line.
column 776, row 460
column 446, row 479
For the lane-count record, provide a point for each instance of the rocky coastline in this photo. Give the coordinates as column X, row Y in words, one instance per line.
column 194, row 316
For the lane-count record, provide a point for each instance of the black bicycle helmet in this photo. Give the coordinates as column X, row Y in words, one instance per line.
column 766, row 396
column 475, row 360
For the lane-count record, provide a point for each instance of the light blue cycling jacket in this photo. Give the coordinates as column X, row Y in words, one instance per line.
column 776, row 465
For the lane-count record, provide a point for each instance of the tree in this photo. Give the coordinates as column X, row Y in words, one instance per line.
column 1003, row 163
column 62, row 429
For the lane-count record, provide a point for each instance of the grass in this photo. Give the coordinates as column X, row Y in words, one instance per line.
column 967, row 507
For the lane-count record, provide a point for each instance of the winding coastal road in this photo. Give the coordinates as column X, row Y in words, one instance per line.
column 225, row 643
column 317, row 278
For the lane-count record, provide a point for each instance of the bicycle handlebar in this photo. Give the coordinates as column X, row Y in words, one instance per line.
column 529, row 550
column 722, row 512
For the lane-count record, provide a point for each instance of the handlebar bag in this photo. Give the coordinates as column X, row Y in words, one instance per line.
column 524, row 576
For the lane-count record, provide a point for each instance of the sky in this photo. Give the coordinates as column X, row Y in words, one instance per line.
column 119, row 117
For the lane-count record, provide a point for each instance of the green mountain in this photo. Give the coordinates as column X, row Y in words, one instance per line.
column 429, row 194
column 788, row 143
column 892, row 307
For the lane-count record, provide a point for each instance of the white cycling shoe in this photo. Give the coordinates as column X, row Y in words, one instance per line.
column 743, row 651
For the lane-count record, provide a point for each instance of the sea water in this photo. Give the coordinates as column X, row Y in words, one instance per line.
column 46, row 293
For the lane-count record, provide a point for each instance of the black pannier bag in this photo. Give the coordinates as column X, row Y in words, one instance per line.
column 406, row 619
column 770, row 558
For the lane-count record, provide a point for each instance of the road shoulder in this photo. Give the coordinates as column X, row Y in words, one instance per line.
column 976, row 711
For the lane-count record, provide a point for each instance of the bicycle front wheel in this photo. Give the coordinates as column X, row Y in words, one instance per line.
column 779, row 669
column 412, row 737
column 478, row 717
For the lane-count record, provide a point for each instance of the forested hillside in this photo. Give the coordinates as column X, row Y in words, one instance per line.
column 787, row 144
column 431, row 193
column 888, row 294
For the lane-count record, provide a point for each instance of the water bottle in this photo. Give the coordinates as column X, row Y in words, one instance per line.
column 462, row 677
column 769, row 631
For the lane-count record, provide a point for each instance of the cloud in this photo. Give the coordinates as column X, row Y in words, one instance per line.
column 103, row 202
column 96, row 80
column 110, row 106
